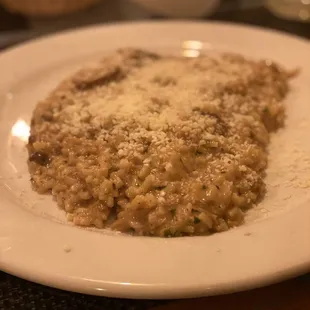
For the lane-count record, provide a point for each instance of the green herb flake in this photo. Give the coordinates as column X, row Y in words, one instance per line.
column 198, row 152
column 167, row 233
column 173, row 212
column 160, row 187
column 266, row 110
column 204, row 187
column 196, row 220
column 178, row 234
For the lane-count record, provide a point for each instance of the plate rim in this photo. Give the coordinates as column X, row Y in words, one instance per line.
column 68, row 32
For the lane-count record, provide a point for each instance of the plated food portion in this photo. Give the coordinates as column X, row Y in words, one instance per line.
column 158, row 145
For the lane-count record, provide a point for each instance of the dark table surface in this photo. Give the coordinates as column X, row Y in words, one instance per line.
column 18, row 294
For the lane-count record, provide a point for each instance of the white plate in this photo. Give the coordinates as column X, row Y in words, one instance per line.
column 37, row 244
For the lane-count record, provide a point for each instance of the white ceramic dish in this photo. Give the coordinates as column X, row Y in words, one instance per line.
column 37, row 244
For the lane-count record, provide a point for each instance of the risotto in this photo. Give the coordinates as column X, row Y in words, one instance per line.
column 156, row 145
